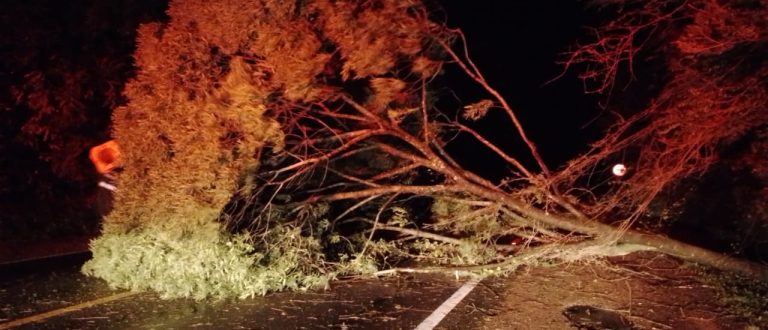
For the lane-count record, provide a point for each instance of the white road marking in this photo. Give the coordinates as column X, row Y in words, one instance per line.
column 438, row 314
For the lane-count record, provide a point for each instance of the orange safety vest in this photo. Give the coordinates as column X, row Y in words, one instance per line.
column 106, row 157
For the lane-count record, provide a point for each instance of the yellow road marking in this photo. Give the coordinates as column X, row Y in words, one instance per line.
column 65, row 310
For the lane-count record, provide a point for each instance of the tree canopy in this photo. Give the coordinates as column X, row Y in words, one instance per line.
column 272, row 145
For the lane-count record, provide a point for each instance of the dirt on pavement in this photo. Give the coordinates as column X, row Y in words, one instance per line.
column 637, row 291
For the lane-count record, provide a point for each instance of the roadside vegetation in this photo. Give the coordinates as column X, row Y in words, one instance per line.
column 280, row 145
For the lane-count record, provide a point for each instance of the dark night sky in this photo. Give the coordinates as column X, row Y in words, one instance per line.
column 517, row 44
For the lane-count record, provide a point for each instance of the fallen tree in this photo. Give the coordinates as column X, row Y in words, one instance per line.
column 301, row 142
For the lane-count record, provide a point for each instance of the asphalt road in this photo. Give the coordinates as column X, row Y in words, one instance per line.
column 52, row 294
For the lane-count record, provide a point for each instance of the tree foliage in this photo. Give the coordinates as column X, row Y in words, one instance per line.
column 214, row 88
column 712, row 97
column 310, row 128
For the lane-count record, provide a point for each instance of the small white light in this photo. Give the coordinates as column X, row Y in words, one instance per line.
column 107, row 186
column 619, row 170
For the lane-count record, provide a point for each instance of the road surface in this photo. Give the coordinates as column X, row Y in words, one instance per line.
column 53, row 294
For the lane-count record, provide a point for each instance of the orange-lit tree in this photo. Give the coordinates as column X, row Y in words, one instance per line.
column 272, row 145
column 60, row 80
column 712, row 101
column 713, row 94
